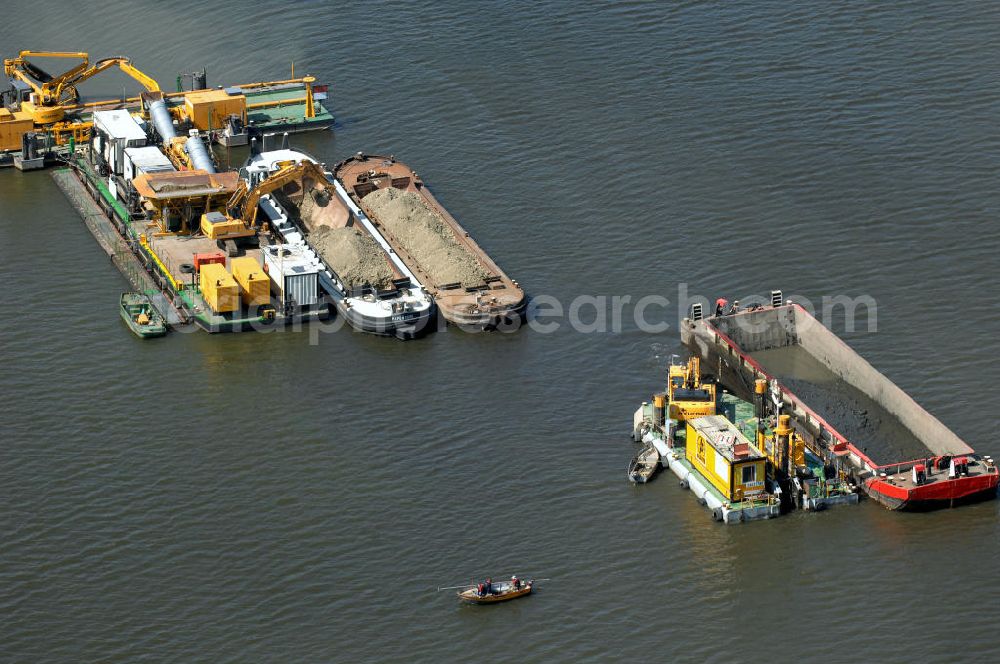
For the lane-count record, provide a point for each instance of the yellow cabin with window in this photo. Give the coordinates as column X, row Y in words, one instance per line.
column 725, row 457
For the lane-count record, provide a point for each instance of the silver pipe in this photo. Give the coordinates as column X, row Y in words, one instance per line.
column 200, row 158
column 161, row 120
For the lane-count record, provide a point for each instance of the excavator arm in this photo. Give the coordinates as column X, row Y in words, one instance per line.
column 244, row 203
column 61, row 90
column 65, row 88
column 41, row 81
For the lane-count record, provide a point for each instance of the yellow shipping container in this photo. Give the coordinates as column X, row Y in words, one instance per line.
column 219, row 288
column 209, row 109
column 12, row 127
column 254, row 282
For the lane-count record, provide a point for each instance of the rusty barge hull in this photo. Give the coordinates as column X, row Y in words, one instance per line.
column 726, row 345
column 496, row 303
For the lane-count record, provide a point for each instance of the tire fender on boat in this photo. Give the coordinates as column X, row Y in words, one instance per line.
column 717, row 514
column 683, row 483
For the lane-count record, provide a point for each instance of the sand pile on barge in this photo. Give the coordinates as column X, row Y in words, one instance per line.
column 425, row 236
column 353, row 255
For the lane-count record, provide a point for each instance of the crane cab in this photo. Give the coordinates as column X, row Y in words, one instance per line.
column 687, row 396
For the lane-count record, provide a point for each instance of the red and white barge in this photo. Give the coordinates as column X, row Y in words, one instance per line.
column 948, row 475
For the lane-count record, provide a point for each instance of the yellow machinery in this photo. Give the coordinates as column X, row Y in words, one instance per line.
column 787, row 449
column 211, row 109
column 54, row 102
column 687, row 396
column 219, row 289
column 53, row 94
column 13, row 125
column 217, row 226
column 48, row 89
column 255, row 285
column 244, row 203
column 175, row 199
column 724, row 456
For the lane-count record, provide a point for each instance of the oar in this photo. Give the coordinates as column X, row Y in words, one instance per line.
column 468, row 585
column 472, row 585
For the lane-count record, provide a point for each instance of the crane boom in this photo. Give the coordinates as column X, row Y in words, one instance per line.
column 41, row 82
column 65, row 88
column 54, row 92
column 244, row 202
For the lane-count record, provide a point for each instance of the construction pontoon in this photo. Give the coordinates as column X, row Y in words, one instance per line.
column 744, row 350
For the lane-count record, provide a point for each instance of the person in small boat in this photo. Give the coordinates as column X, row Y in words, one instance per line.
column 489, row 587
column 481, row 589
column 515, row 582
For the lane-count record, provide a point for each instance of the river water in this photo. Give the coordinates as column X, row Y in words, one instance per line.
column 252, row 498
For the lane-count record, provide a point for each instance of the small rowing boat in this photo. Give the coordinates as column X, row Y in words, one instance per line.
column 501, row 592
column 141, row 317
column 643, row 465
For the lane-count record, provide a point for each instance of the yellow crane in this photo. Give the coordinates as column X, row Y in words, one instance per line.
column 40, row 81
column 53, row 94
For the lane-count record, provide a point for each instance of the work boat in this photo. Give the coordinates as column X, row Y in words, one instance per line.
column 368, row 283
column 502, row 592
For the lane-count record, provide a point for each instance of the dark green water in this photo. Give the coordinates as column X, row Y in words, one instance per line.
column 256, row 498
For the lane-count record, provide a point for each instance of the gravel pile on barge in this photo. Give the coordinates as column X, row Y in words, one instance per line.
column 426, row 237
column 355, row 256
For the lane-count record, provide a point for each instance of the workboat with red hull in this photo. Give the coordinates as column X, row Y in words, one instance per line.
column 949, row 473
column 469, row 288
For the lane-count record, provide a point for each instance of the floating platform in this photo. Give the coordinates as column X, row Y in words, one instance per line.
column 671, row 444
column 272, row 107
column 152, row 264
column 947, row 474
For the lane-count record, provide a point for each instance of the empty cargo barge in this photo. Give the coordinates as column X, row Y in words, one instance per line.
column 469, row 288
column 741, row 347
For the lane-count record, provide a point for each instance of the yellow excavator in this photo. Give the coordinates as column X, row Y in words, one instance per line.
column 687, row 396
column 245, row 202
column 54, row 94
column 240, row 216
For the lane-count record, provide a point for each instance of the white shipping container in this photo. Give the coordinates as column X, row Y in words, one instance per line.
column 149, row 159
column 294, row 272
column 119, row 130
column 303, row 289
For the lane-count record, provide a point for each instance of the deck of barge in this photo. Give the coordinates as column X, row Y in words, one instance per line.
column 179, row 302
column 270, row 108
column 114, row 245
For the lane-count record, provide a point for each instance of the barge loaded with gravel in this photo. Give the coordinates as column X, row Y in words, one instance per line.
column 368, row 284
column 842, row 407
column 469, row 288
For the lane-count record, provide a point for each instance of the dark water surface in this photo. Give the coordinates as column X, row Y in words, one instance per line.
column 254, row 498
